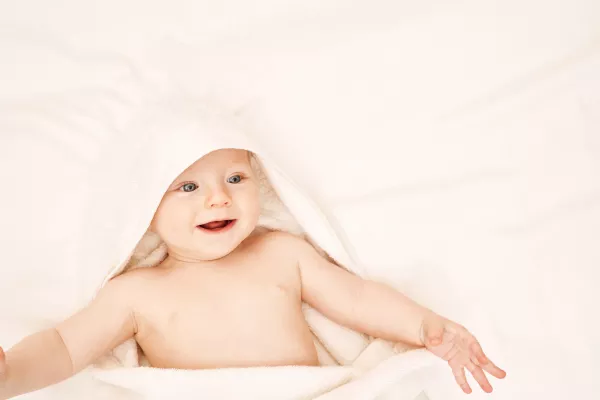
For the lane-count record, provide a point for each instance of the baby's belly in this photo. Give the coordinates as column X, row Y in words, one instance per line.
column 239, row 332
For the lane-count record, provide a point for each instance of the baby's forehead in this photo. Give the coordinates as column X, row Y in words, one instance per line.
column 227, row 155
column 219, row 161
column 222, row 158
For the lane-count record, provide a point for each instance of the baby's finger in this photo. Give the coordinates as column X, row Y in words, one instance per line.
column 493, row 370
column 484, row 362
column 459, row 374
column 475, row 347
column 479, row 376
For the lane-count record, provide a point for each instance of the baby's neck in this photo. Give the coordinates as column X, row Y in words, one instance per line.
column 175, row 260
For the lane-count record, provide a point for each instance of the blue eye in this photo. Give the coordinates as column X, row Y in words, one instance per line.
column 234, row 179
column 189, row 187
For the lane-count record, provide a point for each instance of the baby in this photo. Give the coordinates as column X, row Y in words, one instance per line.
column 219, row 264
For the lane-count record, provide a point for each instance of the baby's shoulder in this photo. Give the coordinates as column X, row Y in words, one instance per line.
column 136, row 281
column 284, row 244
column 270, row 238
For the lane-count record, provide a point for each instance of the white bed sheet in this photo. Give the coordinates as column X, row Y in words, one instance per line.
column 458, row 145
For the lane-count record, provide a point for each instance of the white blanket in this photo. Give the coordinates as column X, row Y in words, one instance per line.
column 398, row 377
column 470, row 128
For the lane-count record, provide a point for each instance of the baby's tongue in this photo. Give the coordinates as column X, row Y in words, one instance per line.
column 214, row 224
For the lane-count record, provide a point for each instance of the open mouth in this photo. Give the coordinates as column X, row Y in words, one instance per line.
column 217, row 226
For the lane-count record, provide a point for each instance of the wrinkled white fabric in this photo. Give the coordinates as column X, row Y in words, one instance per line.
column 452, row 145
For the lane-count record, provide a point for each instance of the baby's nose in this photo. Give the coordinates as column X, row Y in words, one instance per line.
column 217, row 199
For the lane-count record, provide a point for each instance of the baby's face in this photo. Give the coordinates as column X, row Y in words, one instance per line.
column 210, row 208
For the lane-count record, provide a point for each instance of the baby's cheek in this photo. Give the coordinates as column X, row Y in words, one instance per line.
column 168, row 224
column 254, row 214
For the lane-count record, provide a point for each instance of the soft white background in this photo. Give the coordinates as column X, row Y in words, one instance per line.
column 458, row 143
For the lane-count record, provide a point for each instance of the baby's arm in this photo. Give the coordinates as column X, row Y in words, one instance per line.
column 55, row 354
column 366, row 306
column 380, row 311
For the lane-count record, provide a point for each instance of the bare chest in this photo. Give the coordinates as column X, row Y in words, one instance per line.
column 227, row 318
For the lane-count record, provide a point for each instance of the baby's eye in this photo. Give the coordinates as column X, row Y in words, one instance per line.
column 189, row 187
column 234, row 179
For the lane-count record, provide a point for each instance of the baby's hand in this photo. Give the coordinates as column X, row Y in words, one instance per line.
column 2, row 366
column 453, row 343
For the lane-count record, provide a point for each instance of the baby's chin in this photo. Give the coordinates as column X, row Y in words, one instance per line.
column 217, row 249
column 211, row 246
